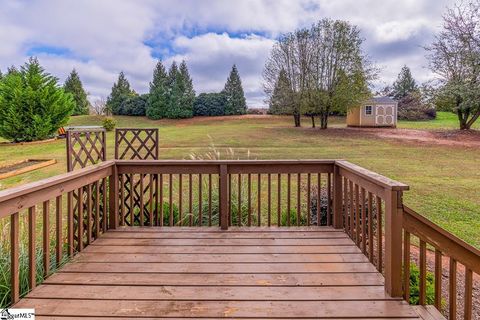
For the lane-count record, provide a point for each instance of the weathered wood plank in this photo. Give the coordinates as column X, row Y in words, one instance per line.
column 219, row 258
column 218, row 267
column 223, row 249
column 191, row 279
column 272, row 309
column 202, row 293
column 227, row 235
column 224, row 242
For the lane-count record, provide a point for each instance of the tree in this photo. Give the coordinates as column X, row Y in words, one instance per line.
column 454, row 56
column 99, row 107
column 120, row 92
column 157, row 103
column 281, row 101
column 325, row 66
column 235, row 97
column 210, row 104
column 32, row 104
column 134, row 105
column 1, row 75
column 404, row 85
column 73, row 85
column 186, row 91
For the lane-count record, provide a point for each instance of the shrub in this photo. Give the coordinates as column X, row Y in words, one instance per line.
column 415, row 286
column 134, row 106
column 411, row 107
column 109, row 123
column 209, row 104
column 32, row 105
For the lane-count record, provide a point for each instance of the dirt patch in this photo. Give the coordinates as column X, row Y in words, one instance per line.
column 441, row 137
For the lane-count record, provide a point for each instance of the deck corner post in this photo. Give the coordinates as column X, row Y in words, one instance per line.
column 393, row 242
column 223, row 197
column 337, row 198
column 113, row 198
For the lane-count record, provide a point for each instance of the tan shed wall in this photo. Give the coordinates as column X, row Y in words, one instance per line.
column 353, row 117
column 356, row 117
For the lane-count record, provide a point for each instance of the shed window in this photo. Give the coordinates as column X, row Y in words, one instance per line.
column 368, row 110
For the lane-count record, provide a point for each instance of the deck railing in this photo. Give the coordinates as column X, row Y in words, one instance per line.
column 367, row 206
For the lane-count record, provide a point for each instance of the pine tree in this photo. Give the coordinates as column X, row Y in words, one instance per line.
column 32, row 104
column 157, row 102
column 73, row 85
column 1, row 75
column 120, row 92
column 281, row 101
column 236, row 103
column 187, row 93
column 404, row 85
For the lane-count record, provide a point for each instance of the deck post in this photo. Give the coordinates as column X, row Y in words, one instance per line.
column 223, row 197
column 337, row 198
column 113, row 198
column 393, row 242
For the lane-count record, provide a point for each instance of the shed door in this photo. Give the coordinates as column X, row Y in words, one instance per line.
column 384, row 116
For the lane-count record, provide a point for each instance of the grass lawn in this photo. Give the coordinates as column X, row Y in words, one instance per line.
column 443, row 179
column 444, row 120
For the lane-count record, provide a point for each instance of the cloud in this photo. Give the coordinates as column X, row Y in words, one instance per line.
column 102, row 38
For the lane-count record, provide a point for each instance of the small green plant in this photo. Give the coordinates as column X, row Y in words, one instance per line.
column 415, row 286
column 109, row 123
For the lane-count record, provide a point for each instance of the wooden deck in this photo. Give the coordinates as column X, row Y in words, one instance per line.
column 255, row 273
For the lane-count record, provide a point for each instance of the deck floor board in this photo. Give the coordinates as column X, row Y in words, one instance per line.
column 254, row 273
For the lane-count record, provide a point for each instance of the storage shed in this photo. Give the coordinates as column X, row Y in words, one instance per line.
column 376, row 112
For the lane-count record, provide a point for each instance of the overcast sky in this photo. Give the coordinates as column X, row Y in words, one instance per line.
column 102, row 37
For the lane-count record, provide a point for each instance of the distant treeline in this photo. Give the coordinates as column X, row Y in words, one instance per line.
column 171, row 96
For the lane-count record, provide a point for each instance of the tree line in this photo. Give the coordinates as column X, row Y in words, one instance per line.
column 171, row 96
column 33, row 104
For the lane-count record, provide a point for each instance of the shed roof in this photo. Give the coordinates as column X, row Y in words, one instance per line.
column 386, row 100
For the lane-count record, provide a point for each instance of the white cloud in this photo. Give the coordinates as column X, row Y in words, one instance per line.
column 104, row 37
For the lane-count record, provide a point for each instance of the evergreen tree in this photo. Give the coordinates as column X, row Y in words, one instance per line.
column 281, row 101
column 1, row 75
column 186, row 91
column 233, row 91
column 73, row 85
column 404, row 85
column 32, row 104
column 173, row 92
column 120, row 92
column 157, row 102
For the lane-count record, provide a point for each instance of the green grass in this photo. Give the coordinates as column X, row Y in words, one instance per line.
column 443, row 179
column 444, row 120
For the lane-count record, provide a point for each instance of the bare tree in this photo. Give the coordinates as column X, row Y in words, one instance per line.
column 99, row 107
column 455, row 58
column 325, row 66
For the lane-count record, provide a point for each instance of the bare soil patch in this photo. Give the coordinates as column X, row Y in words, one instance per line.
column 440, row 137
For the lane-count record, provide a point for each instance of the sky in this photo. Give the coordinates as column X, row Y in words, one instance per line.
column 100, row 38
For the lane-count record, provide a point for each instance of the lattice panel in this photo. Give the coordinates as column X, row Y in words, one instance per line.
column 136, row 144
column 85, row 148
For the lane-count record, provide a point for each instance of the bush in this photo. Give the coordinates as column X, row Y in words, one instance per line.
column 134, row 106
column 415, row 286
column 109, row 123
column 257, row 111
column 411, row 107
column 209, row 104
column 32, row 105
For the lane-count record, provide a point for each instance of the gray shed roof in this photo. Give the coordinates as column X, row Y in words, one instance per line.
column 382, row 100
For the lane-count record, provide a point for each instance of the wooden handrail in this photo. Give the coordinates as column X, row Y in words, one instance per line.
column 438, row 237
column 21, row 197
column 371, row 176
column 445, row 245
